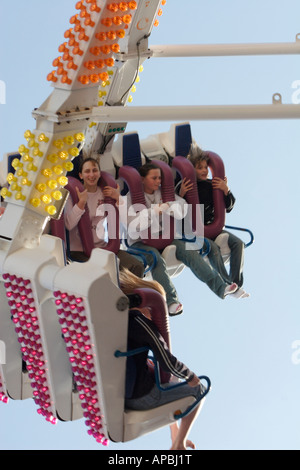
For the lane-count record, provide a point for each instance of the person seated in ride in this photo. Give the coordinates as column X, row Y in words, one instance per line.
column 92, row 197
column 205, row 186
column 151, row 179
column 137, row 224
column 144, row 394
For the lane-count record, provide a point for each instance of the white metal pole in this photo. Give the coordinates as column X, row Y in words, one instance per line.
column 213, row 50
column 195, row 113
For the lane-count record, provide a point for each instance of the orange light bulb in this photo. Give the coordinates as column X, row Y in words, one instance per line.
column 127, row 19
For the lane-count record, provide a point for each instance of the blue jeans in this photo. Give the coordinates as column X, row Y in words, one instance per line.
column 157, row 397
column 159, row 273
column 236, row 265
column 200, row 268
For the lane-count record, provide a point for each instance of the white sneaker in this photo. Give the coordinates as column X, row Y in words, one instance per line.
column 229, row 290
column 240, row 294
column 175, row 309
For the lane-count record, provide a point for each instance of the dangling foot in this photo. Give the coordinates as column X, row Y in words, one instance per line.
column 175, row 309
column 229, row 290
column 240, row 294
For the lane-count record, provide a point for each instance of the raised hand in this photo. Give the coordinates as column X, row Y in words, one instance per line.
column 82, row 198
column 186, row 186
column 114, row 193
column 219, row 183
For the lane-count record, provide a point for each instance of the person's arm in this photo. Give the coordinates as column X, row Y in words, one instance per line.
column 146, row 333
column 137, row 220
column 72, row 214
column 229, row 201
column 229, row 198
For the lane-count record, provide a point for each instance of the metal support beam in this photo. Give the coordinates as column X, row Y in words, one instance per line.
column 196, row 113
column 214, row 50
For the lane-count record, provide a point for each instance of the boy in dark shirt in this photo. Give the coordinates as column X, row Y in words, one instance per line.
column 200, row 161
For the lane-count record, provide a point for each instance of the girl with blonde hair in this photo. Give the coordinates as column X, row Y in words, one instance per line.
column 142, row 393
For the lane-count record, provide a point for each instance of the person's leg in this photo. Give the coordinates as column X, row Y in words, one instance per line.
column 202, row 270
column 216, row 260
column 237, row 248
column 159, row 273
column 131, row 263
column 157, row 397
column 179, row 434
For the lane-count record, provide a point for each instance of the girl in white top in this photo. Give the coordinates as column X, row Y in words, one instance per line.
column 92, row 197
column 137, row 226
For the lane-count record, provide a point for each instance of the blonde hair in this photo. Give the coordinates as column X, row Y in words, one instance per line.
column 129, row 282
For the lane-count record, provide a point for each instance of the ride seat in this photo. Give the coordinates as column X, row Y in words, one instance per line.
column 134, row 182
column 175, row 267
column 84, row 227
column 178, row 140
column 138, row 423
column 222, row 242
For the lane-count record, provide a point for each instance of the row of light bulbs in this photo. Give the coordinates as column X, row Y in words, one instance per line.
column 48, row 173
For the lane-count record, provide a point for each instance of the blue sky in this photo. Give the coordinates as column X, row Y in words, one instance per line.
column 244, row 346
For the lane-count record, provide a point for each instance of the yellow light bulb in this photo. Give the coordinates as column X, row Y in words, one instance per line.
column 22, row 149
column 74, row 152
column 32, row 143
column 43, row 138
column 52, row 184
column 16, row 163
column 52, row 157
column 25, row 182
column 68, row 166
column 63, row 155
column 37, row 153
column 51, row 210
column 11, row 177
column 46, row 198
column 59, row 143
column 35, row 202
column 57, row 195
column 58, row 169
column 15, row 187
column 62, row 180
column 79, row 137
column 28, row 135
column 31, row 167
column 47, row 172
column 69, row 140
column 21, row 172
column 27, row 158
column 41, row 187
column 5, row 193
column 19, row 196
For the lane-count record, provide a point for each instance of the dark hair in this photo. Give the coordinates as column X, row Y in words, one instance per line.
column 89, row 159
column 144, row 170
column 197, row 155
